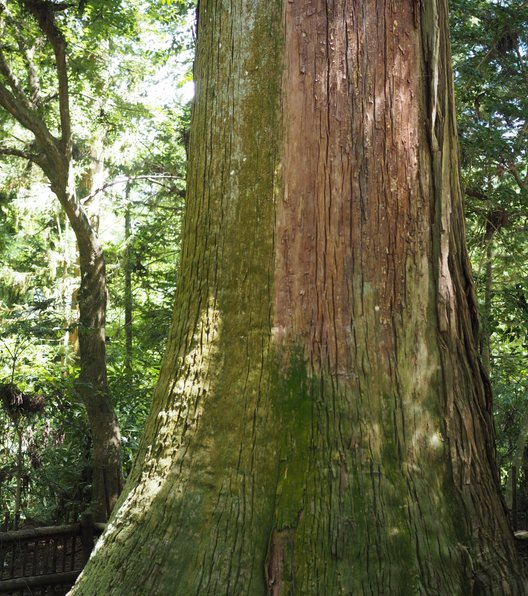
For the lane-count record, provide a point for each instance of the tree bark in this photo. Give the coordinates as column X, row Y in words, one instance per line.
column 322, row 423
column 19, row 470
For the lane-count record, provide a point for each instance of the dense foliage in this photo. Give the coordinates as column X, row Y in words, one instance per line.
column 127, row 64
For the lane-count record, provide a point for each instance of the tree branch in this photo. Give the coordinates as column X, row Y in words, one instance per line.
column 44, row 14
column 476, row 194
column 152, row 177
column 33, row 157
column 14, row 100
column 512, row 168
column 12, row 81
column 30, row 120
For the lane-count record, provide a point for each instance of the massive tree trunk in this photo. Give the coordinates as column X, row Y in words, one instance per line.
column 322, row 423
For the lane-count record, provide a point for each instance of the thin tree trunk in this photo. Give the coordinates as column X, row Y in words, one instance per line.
column 92, row 384
column 55, row 158
column 128, row 285
column 322, row 423
column 93, row 387
column 485, row 349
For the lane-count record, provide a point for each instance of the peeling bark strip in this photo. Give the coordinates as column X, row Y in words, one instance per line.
column 321, row 424
column 275, row 565
column 351, row 196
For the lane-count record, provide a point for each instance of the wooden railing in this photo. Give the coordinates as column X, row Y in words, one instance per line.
column 33, row 560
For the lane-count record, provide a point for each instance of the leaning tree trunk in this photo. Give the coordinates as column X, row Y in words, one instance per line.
column 56, row 161
column 322, row 424
column 92, row 383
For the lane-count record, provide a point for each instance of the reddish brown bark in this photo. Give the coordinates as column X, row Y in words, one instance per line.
column 351, row 191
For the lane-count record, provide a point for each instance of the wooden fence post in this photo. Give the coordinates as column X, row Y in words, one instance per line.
column 87, row 535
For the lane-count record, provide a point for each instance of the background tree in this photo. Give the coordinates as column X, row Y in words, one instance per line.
column 56, row 466
column 322, row 423
column 490, row 41
column 118, row 73
column 24, row 26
